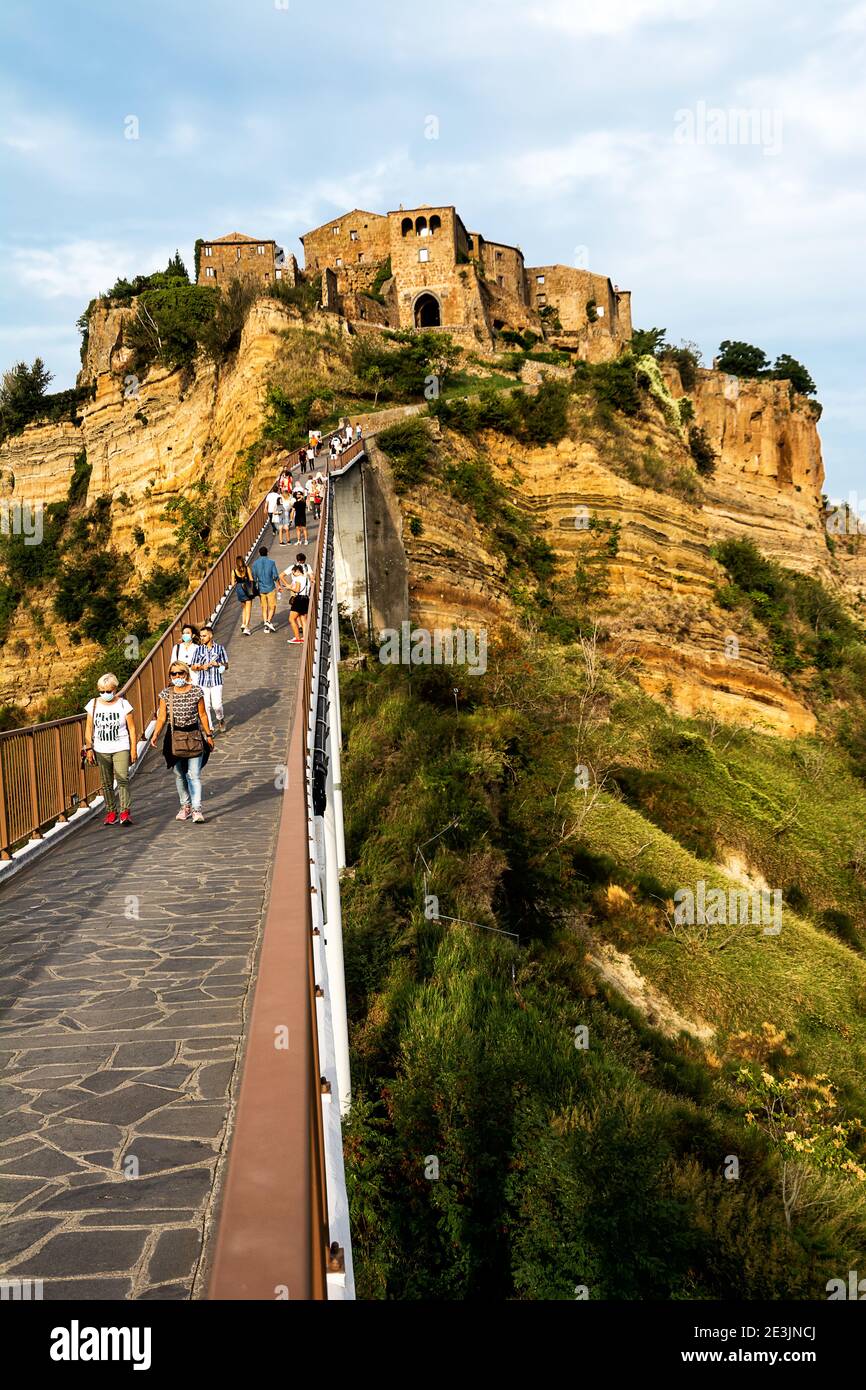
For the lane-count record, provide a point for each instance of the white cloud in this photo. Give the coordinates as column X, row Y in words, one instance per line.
column 615, row 18
column 79, row 269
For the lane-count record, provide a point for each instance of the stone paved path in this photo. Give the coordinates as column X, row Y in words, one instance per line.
column 126, row 964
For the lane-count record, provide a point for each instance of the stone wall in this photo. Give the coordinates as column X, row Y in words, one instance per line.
column 222, row 261
column 569, row 290
column 426, row 245
column 357, row 238
column 502, row 264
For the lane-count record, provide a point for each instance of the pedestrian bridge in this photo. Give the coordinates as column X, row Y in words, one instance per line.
column 172, row 1012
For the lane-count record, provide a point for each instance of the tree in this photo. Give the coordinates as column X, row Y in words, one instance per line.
column 787, row 368
column 647, row 341
column 22, row 395
column 686, row 358
column 176, row 270
column 741, row 359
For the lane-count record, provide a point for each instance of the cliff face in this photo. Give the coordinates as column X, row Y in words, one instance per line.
column 149, row 441
column 660, row 604
column 146, row 443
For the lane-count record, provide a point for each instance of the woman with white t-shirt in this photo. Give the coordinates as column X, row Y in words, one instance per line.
column 186, row 648
column 110, row 742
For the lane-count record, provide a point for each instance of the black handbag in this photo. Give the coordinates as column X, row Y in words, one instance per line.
column 185, row 743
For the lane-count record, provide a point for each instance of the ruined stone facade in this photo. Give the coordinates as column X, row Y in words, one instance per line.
column 240, row 257
column 578, row 299
column 421, row 268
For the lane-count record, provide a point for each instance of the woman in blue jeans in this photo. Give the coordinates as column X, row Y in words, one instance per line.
column 182, row 707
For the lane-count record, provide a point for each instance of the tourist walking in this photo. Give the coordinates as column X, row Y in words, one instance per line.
column 348, row 435
column 357, row 433
column 273, row 506
column 287, row 507
column 301, row 585
column 209, row 666
column 266, row 575
column 301, row 516
column 184, row 650
column 188, row 739
column 310, row 457
column 110, row 742
column 245, row 592
column 316, row 498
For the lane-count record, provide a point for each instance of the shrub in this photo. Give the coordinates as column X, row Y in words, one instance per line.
column 162, row 585
column 305, row 296
column 686, row 358
column 614, row 384
column 220, row 335
column 702, row 451
column 382, row 274
column 405, row 369
column 409, row 446
column 169, row 324
column 539, row 418
column 80, row 480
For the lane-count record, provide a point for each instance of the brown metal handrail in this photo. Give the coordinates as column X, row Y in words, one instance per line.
column 41, row 778
column 272, row 1235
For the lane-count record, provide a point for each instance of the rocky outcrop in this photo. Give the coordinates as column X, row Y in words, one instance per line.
column 146, row 442
column 660, row 606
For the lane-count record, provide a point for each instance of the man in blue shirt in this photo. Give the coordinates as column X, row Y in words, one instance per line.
column 266, row 575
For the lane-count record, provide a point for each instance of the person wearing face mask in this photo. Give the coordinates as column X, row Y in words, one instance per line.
column 185, row 649
column 188, row 738
column 110, row 742
column 211, row 661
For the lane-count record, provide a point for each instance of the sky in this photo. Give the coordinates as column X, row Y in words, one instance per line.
column 602, row 133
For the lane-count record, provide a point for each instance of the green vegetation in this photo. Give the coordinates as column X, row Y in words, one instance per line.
column 24, row 399
column 412, row 366
column 305, row 296
column 382, row 274
column 409, row 446
column 700, row 448
column 744, row 360
column 490, row 1153
column 808, row 627
column 534, row 418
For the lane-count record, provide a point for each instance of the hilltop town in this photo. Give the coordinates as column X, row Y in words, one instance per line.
column 421, row 268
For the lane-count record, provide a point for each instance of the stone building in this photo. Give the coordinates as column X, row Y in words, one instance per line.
column 421, row 268
column 578, row 300
column 237, row 256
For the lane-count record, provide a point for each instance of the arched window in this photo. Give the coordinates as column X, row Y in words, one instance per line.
column 406, row 226
column 435, row 223
column 427, row 313
column 421, row 228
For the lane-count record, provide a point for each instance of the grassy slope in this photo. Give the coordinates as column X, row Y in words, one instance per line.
column 560, row 1166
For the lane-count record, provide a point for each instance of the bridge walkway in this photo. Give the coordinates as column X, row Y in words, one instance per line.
column 127, row 962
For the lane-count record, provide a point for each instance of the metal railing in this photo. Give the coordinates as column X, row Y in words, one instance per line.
column 42, row 780
column 273, row 1229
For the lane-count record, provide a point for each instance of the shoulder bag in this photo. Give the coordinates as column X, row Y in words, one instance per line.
column 185, row 743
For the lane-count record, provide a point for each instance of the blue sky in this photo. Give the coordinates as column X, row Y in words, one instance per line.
column 561, row 128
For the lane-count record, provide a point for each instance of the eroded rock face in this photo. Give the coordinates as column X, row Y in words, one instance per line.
column 148, row 445
column 144, row 447
column 660, row 607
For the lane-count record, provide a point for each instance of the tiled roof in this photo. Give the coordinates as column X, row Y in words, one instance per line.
column 239, row 236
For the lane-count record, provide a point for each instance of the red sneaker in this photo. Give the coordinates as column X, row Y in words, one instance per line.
column 125, row 818
column 111, row 818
